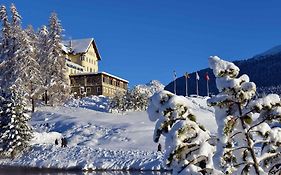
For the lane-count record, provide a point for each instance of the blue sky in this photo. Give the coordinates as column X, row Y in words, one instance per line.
column 141, row 40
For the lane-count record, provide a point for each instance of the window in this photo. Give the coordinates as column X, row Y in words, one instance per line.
column 98, row 89
column 82, row 90
column 89, row 80
column 110, row 81
column 90, row 69
column 125, row 86
column 88, row 90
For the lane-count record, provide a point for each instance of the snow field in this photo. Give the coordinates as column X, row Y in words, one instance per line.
column 98, row 140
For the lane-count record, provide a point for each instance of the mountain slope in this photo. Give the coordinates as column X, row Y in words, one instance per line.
column 263, row 69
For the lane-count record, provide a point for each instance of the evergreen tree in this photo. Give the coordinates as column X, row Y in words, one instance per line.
column 20, row 68
column 187, row 150
column 244, row 124
column 6, row 35
column 43, row 58
column 15, row 133
column 56, row 82
column 33, row 67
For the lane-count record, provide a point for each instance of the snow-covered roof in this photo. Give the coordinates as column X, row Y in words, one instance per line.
column 108, row 74
column 79, row 46
column 104, row 73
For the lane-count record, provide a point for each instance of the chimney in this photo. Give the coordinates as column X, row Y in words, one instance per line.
column 70, row 45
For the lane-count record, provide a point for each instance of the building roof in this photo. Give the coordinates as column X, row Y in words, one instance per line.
column 99, row 73
column 80, row 46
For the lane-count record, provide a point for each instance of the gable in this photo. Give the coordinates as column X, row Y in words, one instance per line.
column 81, row 46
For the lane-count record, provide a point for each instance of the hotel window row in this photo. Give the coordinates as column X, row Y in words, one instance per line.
column 113, row 82
column 89, row 60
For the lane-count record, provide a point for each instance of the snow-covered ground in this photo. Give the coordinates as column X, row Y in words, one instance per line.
column 98, row 140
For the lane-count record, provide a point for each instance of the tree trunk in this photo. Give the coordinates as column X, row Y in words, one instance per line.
column 248, row 138
column 33, row 104
column 46, row 97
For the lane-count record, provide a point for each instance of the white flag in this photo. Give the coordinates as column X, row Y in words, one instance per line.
column 197, row 76
column 175, row 75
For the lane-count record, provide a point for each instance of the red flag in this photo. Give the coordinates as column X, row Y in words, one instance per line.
column 207, row 76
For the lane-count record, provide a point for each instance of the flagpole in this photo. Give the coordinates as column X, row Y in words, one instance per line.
column 186, row 90
column 197, row 90
column 207, row 82
column 197, row 87
column 175, row 84
column 207, row 87
column 186, row 84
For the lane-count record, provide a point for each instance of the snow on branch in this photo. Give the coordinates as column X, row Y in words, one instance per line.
column 245, row 122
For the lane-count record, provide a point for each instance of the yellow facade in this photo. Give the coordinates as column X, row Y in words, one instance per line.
column 84, row 61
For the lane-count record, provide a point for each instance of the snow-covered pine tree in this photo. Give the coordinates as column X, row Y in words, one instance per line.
column 15, row 132
column 245, row 124
column 187, row 150
column 56, row 83
column 33, row 67
column 6, row 36
column 20, row 68
column 43, row 58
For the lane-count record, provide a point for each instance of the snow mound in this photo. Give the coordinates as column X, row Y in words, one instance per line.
column 97, row 103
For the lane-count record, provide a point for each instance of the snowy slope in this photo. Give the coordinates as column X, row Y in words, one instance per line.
column 98, row 140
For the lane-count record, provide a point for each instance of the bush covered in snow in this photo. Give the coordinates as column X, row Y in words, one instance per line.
column 135, row 99
column 245, row 123
column 187, row 150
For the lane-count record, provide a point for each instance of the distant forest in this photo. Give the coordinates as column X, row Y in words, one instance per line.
column 265, row 71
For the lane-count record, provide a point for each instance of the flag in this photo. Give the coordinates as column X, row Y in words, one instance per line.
column 186, row 75
column 207, row 76
column 175, row 75
column 197, row 76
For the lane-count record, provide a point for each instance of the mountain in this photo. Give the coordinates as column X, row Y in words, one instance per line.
column 273, row 51
column 151, row 87
column 264, row 69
